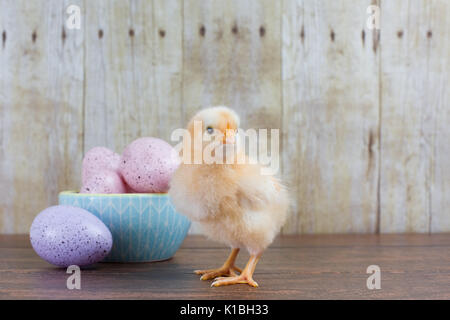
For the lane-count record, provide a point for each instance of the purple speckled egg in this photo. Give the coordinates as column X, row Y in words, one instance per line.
column 99, row 158
column 104, row 181
column 66, row 235
column 147, row 165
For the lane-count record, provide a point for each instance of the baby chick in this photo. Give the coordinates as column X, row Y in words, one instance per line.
column 233, row 202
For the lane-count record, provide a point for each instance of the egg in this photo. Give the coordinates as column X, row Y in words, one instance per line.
column 104, row 181
column 99, row 158
column 66, row 235
column 128, row 189
column 147, row 165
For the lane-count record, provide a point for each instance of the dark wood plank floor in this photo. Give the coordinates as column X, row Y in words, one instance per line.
column 294, row 267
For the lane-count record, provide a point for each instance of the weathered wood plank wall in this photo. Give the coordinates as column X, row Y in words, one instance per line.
column 415, row 162
column 133, row 71
column 363, row 113
column 41, row 109
column 331, row 115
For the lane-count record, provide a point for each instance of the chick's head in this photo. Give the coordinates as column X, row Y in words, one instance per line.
column 215, row 127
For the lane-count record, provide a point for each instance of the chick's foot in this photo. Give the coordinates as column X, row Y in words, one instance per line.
column 245, row 277
column 228, row 269
column 214, row 273
column 224, row 281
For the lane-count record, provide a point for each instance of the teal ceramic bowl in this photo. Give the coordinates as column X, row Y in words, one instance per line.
column 145, row 226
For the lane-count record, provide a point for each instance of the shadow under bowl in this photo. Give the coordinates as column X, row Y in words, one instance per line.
column 145, row 227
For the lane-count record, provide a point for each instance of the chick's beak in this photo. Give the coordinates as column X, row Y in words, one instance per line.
column 230, row 136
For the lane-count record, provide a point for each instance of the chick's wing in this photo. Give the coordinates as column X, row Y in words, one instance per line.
column 257, row 192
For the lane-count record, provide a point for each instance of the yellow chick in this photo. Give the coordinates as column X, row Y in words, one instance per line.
column 233, row 202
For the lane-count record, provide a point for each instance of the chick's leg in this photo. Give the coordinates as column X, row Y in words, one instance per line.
column 246, row 275
column 227, row 269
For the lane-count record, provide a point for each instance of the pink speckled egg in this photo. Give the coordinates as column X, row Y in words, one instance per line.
column 147, row 165
column 99, row 158
column 128, row 189
column 104, row 181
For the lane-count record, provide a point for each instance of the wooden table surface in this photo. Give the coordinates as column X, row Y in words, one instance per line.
column 294, row 267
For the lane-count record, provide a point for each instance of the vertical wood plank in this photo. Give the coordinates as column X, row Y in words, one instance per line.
column 133, row 71
column 40, row 109
column 232, row 57
column 415, row 111
column 438, row 43
column 330, row 116
column 405, row 148
column 408, row 135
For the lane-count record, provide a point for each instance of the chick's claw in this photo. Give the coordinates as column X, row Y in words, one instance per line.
column 227, row 269
column 214, row 273
column 223, row 281
column 246, row 275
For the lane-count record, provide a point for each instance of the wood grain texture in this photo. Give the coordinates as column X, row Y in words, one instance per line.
column 438, row 93
column 232, row 57
column 414, row 161
column 294, row 267
column 330, row 116
column 363, row 114
column 40, row 109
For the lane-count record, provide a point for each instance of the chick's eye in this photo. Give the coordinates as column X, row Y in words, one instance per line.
column 210, row 130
